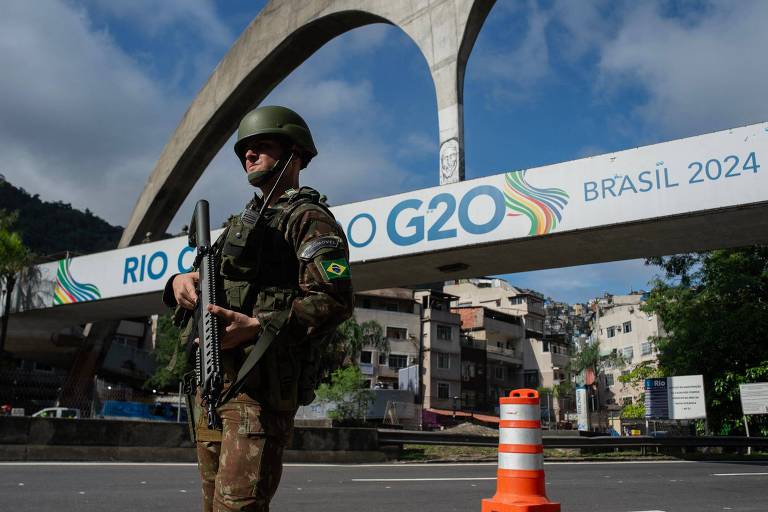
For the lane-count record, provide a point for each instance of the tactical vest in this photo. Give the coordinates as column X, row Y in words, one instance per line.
column 259, row 273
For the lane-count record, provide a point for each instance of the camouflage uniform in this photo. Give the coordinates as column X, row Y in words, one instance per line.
column 296, row 263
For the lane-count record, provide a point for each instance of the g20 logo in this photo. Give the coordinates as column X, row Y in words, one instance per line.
column 416, row 228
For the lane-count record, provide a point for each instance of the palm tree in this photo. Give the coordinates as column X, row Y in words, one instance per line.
column 590, row 358
column 14, row 257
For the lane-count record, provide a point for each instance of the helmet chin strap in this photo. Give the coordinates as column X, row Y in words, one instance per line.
column 277, row 182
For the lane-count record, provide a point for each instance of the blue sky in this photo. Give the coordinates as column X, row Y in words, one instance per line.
column 92, row 89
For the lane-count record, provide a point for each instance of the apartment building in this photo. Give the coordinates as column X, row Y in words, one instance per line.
column 498, row 294
column 545, row 329
column 546, row 361
column 399, row 315
column 501, row 336
column 441, row 382
column 620, row 326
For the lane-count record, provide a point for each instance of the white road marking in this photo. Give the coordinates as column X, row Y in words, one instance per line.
column 391, row 465
column 423, row 479
column 137, row 464
column 738, row 474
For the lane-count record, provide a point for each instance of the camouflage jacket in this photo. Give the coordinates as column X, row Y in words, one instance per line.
column 290, row 270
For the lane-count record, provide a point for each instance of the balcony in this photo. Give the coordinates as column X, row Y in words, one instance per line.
column 470, row 343
column 507, row 355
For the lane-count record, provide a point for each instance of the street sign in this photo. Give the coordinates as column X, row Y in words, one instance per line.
column 582, row 408
column 686, row 397
column 754, row 398
column 656, row 398
column 675, row 398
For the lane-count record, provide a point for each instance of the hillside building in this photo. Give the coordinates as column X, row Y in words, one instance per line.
column 621, row 327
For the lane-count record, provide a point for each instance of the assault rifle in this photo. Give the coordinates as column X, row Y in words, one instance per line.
column 207, row 361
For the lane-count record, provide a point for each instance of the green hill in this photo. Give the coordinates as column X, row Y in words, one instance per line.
column 54, row 228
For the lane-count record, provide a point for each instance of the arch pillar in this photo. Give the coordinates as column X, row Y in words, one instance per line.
column 275, row 43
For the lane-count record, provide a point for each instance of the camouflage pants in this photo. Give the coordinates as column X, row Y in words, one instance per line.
column 243, row 470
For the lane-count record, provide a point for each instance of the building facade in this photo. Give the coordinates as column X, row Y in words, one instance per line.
column 399, row 316
column 622, row 328
column 441, row 381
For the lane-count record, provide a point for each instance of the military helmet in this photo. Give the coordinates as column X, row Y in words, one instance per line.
column 278, row 121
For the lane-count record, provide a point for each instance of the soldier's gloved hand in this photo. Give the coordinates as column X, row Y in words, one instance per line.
column 184, row 289
column 239, row 329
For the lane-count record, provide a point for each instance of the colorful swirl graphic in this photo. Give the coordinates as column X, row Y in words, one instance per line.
column 68, row 291
column 542, row 206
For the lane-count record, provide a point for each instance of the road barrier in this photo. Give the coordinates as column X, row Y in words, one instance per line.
column 389, row 436
column 520, row 476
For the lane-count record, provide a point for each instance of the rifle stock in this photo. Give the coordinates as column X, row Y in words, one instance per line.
column 208, row 364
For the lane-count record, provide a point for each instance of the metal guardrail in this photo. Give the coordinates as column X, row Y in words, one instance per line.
column 388, row 436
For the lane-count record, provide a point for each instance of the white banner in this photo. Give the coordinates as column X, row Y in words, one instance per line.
column 716, row 170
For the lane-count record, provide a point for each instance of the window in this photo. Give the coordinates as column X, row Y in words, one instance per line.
column 467, row 370
column 498, row 372
column 397, row 361
column 383, row 358
column 609, row 379
column 531, row 379
column 646, row 348
column 628, row 353
column 545, row 346
column 627, row 327
column 517, row 300
column 397, row 333
column 366, row 303
column 443, row 390
column 510, row 373
column 365, row 356
column 392, row 306
column 612, row 331
column 443, row 360
column 444, row 332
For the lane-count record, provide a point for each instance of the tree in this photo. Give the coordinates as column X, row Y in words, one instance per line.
column 590, row 358
column 347, row 393
column 166, row 345
column 14, row 257
column 636, row 376
column 344, row 385
column 714, row 309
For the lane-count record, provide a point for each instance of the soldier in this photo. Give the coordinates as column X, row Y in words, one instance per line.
column 288, row 271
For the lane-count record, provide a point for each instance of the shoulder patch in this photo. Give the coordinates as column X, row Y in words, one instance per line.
column 310, row 249
column 335, row 269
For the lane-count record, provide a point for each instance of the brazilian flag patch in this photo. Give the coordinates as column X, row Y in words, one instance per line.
column 335, row 269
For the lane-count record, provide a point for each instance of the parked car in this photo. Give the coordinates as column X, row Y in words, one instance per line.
column 57, row 412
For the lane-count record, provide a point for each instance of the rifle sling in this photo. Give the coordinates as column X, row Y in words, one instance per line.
column 270, row 331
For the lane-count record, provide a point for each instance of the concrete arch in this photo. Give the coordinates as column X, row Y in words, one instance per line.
column 276, row 42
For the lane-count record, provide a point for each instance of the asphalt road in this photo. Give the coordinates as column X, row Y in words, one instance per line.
column 580, row 487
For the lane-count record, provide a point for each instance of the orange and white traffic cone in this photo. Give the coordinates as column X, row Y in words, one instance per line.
column 520, row 477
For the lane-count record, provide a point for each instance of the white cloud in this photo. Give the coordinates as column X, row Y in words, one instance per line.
column 700, row 74
column 156, row 17
column 79, row 120
column 512, row 71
